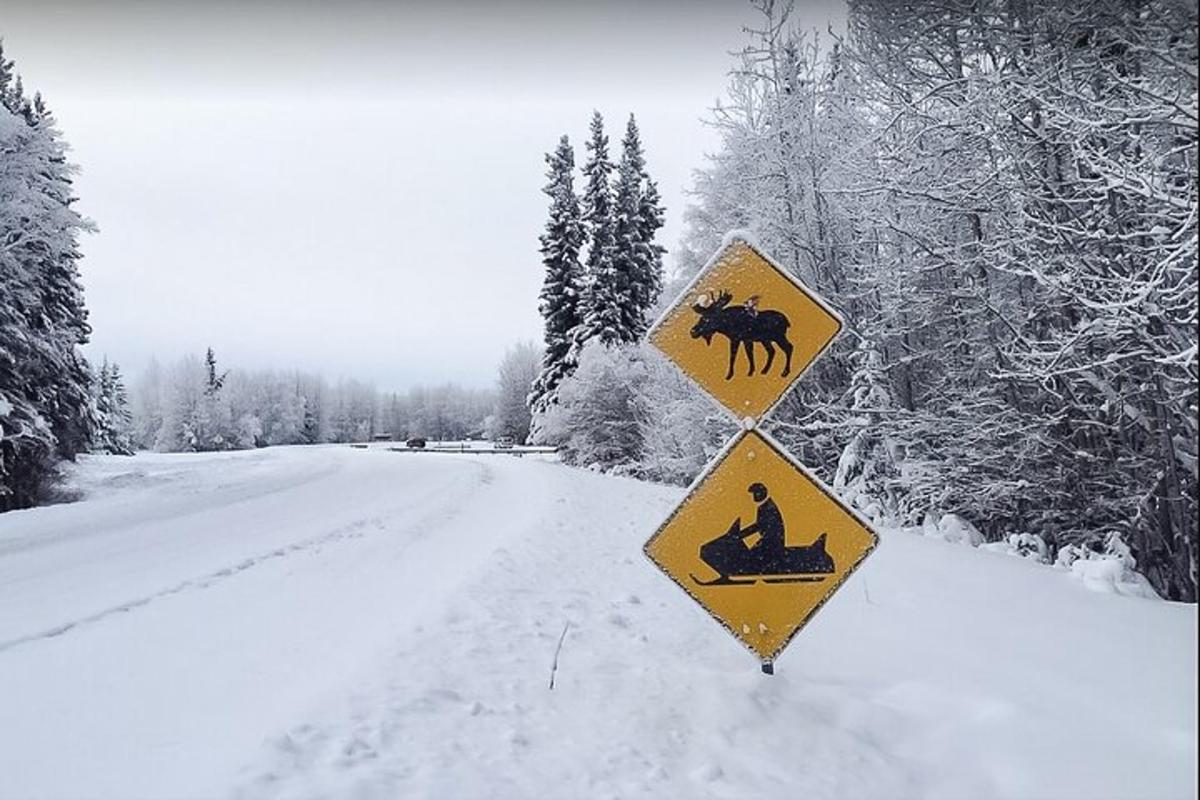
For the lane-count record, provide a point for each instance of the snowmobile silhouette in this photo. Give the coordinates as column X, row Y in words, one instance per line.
column 739, row 562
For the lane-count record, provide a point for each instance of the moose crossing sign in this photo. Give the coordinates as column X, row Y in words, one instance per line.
column 745, row 330
column 758, row 542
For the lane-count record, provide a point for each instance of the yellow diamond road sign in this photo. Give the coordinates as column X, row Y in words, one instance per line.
column 760, row 543
column 745, row 330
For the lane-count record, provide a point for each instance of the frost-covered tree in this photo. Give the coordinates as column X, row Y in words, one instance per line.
column 517, row 372
column 1001, row 198
column 196, row 413
column 561, row 291
column 182, row 395
column 595, row 422
column 147, row 406
column 866, row 476
column 680, row 429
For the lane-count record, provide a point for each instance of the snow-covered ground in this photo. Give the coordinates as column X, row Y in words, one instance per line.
column 340, row 622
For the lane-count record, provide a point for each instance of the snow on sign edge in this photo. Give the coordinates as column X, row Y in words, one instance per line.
column 730, row 240
column 820, row 485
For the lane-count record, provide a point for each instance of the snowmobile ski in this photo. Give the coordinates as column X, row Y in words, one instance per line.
column 795, row 579
column 723, row 581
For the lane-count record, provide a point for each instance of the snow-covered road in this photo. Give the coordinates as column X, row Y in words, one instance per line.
column 149, row 645
column 333, row 622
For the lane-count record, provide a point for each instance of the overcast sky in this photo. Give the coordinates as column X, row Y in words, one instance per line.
column 351, row 188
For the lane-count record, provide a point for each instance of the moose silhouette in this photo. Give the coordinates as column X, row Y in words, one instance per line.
column 743, row 325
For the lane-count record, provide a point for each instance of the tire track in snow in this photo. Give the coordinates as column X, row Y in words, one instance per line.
column 184, row 503
column 354, row 530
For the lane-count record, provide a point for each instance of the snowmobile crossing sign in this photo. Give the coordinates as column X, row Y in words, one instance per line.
column 745, row 330
column 759, row 542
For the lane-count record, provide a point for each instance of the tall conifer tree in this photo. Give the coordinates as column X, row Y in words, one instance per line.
column 645, row 256
column 605, row 284
column 560, row 296
column 46, row 407
column 626, row 232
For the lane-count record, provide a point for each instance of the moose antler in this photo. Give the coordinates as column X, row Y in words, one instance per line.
column 723, row 299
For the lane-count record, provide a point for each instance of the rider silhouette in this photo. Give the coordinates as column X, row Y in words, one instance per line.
column 734, row 553
column 768, row 523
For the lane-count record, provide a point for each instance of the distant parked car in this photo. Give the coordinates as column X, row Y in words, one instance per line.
column 503, row 443
column 416, row 441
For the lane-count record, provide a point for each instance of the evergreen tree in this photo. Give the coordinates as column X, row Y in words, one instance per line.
column 648, row 273
column 213, row 381
column 627, row 196
column 605, row 284
column 638, row 216
column 212, row 427
column 114, row 419
column 560, row 296
column 46, row 405
column 61, row 321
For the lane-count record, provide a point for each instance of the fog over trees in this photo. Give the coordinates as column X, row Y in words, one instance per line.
column 193, row 405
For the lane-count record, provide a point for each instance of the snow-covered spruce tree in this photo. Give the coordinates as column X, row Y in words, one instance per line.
column 62, row 320
column 605, row 285
column 46, row 409
column 213, row 427
column 27, row 444
column 561, row 290
column 637, row 217
column 114, row 419
column 648, row 256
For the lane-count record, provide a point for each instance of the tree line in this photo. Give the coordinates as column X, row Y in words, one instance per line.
column 194, row 406
column 1001, row 198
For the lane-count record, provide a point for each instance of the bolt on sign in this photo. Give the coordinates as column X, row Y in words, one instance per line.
column 745, row 330
column 759, row 542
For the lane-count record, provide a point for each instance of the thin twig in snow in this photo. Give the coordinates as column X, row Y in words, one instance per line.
column 557, row 650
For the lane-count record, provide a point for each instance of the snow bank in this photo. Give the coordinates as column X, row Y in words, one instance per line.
column 1111, row 569
column 1108, row 570
column 1029, row 546
column 951, row 528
